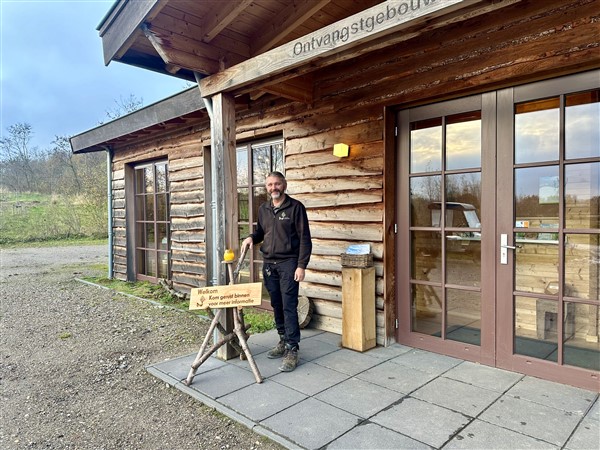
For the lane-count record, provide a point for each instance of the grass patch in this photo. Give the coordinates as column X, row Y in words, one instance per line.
column 259, row 321
column 38, row 219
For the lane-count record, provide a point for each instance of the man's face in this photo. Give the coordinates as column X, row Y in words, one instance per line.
column 275, row 187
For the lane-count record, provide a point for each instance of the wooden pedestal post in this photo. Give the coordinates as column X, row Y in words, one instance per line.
column 358, row 308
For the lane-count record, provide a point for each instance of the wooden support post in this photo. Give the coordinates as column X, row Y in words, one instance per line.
column 358, row 308
column 224, row 157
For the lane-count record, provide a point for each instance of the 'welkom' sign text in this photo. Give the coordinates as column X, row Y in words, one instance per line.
column 233, row 295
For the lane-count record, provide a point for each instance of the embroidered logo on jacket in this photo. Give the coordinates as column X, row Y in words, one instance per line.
column 283, row 216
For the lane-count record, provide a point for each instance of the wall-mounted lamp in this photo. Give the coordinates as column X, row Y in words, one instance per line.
column 341, row 150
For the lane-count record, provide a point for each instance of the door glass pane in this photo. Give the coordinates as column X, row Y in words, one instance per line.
column 163, row 236
column 582, row 125
column 140, row 181
column 465, row 191
column 149, row 179
column 537, row 128
column 536, row 262
column 242, row 166
column 580, row 334
column 162, row 202
column 463, row 259
column 463, row 321
column 277, row 163
column 536, row 328
column 582, row 195
column 463, row 141
column 537, row 197
column 243, row 213
column 582, row 266
column 426, row 309
column 150, row 241
column 259, row 196
column 163, row 265
column 261, row 163
column 426, row 146
column 425, row 192
column 161, row 178
column 150, row 264
column 426, row 255
column 149, row 211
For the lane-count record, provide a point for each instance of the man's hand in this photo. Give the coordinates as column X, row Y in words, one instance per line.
column 246, row 244
column 299, row 275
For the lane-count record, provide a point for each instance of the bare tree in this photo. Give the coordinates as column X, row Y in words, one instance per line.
column 17, row 157
column 123, row 107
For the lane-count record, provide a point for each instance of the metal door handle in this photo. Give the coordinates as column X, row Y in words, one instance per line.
column 508, row 246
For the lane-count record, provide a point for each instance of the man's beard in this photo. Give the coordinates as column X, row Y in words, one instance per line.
column 276, row 195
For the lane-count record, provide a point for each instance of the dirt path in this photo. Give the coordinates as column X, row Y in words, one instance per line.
column 73, row 357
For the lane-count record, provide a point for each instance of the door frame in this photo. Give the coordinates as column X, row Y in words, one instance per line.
column 484, row 353
column 506, row 358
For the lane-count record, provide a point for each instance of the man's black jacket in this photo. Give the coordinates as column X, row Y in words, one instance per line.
column 284, row 232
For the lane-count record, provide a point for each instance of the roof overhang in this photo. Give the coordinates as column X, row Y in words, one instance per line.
column 157, row 118
column 257, row 46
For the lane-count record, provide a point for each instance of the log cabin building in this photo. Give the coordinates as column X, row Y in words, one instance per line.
column 473, row 169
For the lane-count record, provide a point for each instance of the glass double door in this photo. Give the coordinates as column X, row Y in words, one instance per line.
column 499, row 228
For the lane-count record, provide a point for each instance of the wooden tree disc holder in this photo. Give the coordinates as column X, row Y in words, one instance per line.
column 236, row 338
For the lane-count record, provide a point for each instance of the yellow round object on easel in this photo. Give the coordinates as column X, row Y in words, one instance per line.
column 228, row 255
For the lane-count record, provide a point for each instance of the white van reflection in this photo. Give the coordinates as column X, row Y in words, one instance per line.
column 459, row 215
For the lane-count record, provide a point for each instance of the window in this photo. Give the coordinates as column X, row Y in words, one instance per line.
column 255, row 161
column 152, row 221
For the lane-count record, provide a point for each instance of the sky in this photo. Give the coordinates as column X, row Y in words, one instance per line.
column 52, row 72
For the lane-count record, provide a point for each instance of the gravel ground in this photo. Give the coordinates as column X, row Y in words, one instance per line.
column 73, row 357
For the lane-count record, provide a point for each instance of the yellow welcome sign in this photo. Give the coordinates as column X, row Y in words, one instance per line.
column 233, row 295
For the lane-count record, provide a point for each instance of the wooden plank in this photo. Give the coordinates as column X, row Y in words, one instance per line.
column 356, row 213
column 340, row 198
column 295, row 15
column 359, row 134
column 373, row 166
column 328, row 41
column 336, row 247
column 312, row 290
column 358, row 151
column 220, row 16
column 335, row 184
column 345, row 231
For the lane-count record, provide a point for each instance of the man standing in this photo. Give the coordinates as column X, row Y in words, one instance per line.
column 283, row 229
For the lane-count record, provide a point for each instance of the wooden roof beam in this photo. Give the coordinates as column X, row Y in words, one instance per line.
column 222, row 17
column 298, row 89
column 175, row 59
column 302, row 10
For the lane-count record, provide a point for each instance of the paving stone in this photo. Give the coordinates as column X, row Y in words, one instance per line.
column 483, row 435
column 426, row 361
column 422, row 421
column 347, row 361
column 222, row 381
column 373, row 436
column 396, row 377
column 313, row 348
column 483, row 376
column 389, row 352
column 267, row 367
column 359, row 397
column 456, row 395
column 259, row 401
column 539, row 421
column 586, row 436
column 567, row 398
column 310, row 378
column 179, row 368
column 594, row 412
column 311, row 424
column 330, row 338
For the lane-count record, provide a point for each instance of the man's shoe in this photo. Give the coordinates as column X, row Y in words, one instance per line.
column 290, row 360
column 278, row 351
